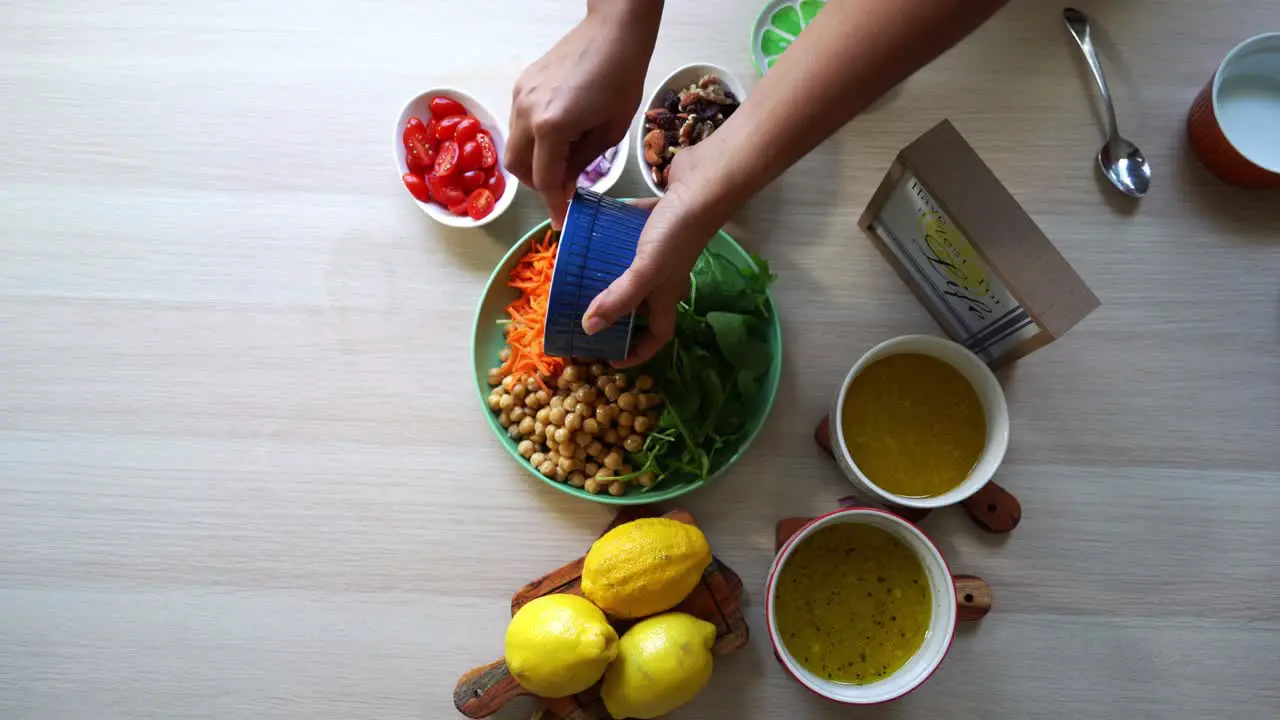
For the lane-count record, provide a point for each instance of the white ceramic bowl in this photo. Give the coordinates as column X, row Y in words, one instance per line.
column 605, row 183
column 993, row 405
column 937, row 640
column 419, row 107
column 678, row 80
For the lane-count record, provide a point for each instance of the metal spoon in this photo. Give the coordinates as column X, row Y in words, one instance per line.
column 1121, row 161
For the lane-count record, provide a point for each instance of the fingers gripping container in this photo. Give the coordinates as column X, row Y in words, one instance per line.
column 597, row 245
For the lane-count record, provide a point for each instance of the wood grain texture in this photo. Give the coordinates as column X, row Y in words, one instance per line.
column 242, row 473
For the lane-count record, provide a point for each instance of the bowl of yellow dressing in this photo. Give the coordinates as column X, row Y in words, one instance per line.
column 919, row 422
column 861, row 607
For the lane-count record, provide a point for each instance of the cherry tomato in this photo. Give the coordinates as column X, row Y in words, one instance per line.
column 416, row 186
column 419, row 148
column 472, row 179
column 480, row 204
column 431, row 128
column 470, row 157
column 467, row 129
column 496, row 183
column 488, row 153
column 446, row 159
column 447, row 128
column 443, row 107
column 446, row 190
column 459, row 209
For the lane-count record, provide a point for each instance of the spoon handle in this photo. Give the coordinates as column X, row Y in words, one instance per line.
column 1078, row 24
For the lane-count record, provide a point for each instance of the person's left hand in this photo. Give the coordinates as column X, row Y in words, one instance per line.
column 678, row 229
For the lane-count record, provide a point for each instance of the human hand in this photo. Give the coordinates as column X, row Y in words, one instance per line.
column 578, row 100
column 678, row 229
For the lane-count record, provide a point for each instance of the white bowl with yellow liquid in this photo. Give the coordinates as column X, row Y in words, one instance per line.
column 988, row 391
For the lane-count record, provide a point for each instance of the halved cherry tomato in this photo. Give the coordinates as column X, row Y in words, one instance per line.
column 446, row 159
column 446, row 190
column 467, row 129
column 472, row 179
column 488, row 153
column 459, row 209
column 416, row 187
column 431, row 128
column 470, row 157
column 480, row 204
column 496, row 183
column 443, row 107
column 448, row 127
column 419, row 149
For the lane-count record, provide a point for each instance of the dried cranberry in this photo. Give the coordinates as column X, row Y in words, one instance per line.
column 727, row 110
column 703, row 109
column 671, row 138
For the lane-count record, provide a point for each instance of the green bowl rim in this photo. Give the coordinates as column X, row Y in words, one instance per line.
column 605, row 498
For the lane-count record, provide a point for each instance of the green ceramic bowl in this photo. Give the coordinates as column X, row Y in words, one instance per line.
column 488, row 339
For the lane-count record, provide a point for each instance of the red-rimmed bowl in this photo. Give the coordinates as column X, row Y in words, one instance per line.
column 937, row 639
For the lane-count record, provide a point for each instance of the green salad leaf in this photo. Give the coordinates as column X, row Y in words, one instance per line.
column 712, row 372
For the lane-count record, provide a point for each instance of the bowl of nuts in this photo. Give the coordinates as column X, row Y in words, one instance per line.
column 689, row 105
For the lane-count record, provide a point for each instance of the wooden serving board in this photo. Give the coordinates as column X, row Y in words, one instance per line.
column 482, row 691
column 973, row 594
column 993, row 508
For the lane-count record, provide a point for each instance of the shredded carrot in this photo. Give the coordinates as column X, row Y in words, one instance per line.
column 532, row 277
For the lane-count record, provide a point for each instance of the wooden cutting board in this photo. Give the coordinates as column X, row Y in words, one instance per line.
column 482, row 691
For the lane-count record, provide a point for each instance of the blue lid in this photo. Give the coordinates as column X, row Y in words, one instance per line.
column 597, row 245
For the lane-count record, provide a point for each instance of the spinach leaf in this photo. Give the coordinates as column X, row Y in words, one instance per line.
column 738, row 338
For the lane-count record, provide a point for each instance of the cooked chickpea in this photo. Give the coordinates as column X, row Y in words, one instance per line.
column 604, row 414
column 504, row 354
column 591, row 469
column 597, row 369
column 556, row 402
column 570, row 404
column 613, row 392
column 556, row 417
column 641, row 424
column 625, row 419
column 617, row 489
column 560, row 475
column 553, row 457
column 507, row 402
column 611, row 437
column 595, row 449
column 527, row 424
column 567, row 449
column 644, row 383
column 591, row 426
column 621, row 380
column 517, row 413
column 504, row 420
column 547, row 468
column 543, row 397
column 603, row 381
column 513, row 432
column 585, row 394
column 531, row 402
column 562, row 382
column 518, row 391
column 573, row 373
column 562, row 436
column 539, row 428
column 537, row 458
column 508, row 382
column 605, row 475
column 543, row 415
column 495, row 402
column 581, row 439
column 633, row 443
column 565, row 464
column 592, row 486
column 577, row 478
column 646, row 480
column 613, row 460
column 494, row 376
column 580, row 454
column 573, row 422
column 525, row 448
column 628, row 401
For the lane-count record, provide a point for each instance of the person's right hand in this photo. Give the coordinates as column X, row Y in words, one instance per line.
column 579, row 99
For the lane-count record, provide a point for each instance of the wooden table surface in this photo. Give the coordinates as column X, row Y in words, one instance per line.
column 243, row 473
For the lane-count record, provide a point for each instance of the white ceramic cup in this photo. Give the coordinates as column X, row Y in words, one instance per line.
column 937, row 639
column 993, row 405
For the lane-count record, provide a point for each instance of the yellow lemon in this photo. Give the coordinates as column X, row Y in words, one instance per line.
column 644, row 567
column 663, row 662
column 558, row 645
